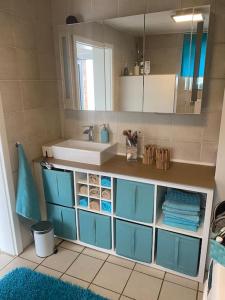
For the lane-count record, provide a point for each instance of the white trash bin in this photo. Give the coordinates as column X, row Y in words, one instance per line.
column 43, row 238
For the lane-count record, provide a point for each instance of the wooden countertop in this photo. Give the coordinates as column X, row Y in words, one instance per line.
column 179, row 173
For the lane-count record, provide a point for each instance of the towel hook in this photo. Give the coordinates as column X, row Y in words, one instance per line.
column 17, row 144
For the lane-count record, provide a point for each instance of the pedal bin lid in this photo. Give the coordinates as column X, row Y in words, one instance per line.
column 42, row 227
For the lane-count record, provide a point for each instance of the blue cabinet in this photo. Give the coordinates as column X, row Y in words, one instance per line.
column 63, row 219
column 58, row 187
column 178, row 252
column 134, row 200
column 134, row 241
column 95, row 229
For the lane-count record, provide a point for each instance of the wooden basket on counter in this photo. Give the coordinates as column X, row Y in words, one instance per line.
column 149, row 155
column 162, row 158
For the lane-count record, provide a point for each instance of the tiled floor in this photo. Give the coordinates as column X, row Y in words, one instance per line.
column 107, row 275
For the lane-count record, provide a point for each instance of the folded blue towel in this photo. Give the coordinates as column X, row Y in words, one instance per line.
column 182, row 217
column 106, row 181
column 106, row 206
column 27, row 198
column 180, row 211
column 182, row 226
column 179, row 221
column 182, row 200
column 83, row 202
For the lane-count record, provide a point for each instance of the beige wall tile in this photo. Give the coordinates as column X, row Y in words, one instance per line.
column 11, row 96
column 8, row 64
column 6, row 30
column 15, row 126
column 211, row 126
column 213, row 98
column 131, row 7
column 186, row 150
column 23, row 34
column 47, row 66
column 209, row 152
column 34, row 122
column 27, row 63
column 217, row 66
column 24, row 8
column 153, row 6
column 32, row 94
column 104, row 9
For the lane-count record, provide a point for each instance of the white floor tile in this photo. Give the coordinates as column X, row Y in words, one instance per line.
column 57, row 241
column 125, row 298
column 72, row 246
column 149, row 271
column 112, row 277
column 48, row 271
column 143, row 287
column 103, row 292
column 30, row 254
column 85, row 267
column 60, row 261
column 75, row 281
column 176, row 292
column 95, row 253
column 182, row 281
column 18, row 262
column 121, row 261
column 5, row 259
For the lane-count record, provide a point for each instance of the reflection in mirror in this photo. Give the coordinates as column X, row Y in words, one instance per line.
column 126, row 37
column 176, row 52
column 93, row 67
column 92, row 75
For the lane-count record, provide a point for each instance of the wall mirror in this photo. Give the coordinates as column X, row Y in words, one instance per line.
column 142, row 63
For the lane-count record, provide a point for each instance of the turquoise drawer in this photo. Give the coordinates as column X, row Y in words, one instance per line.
column 134, row 241
column 134, row 200
column 58, row 187
column 63, row 219
column 95, row 229
column 178, row 252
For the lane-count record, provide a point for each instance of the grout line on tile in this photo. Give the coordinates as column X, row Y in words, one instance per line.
column 193, row 289
column 97, row 274
column 132, row 270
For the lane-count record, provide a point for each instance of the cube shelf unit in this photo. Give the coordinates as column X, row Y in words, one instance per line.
column 81, row 177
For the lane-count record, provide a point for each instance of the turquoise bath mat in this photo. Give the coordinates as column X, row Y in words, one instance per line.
column 25, row 284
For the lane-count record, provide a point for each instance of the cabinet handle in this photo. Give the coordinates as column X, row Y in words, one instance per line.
column 95, row 229
column 176, row 250
column 135, row 199
column 61, row 216
column 57, row 184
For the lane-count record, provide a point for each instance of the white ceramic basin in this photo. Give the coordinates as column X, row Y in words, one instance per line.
column 83, row 152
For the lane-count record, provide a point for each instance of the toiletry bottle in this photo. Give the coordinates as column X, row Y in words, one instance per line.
column 104, row 134
column 126, row 71
column 142, row 66
column 136, row 69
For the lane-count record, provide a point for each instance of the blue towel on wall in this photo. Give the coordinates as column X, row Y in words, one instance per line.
column 182, row 217
column 27, row 202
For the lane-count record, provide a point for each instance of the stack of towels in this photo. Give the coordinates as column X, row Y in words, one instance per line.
column 182, row 209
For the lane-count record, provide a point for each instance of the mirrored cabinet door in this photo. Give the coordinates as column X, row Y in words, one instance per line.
column 125, row 35
column 143, row 63
column 175, row 53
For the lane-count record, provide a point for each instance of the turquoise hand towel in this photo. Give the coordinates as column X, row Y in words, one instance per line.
column 180, row 211
column 182, row 217
column 182, row 200
column 27, row 202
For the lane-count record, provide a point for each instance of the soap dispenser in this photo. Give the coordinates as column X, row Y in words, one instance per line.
column 104, row 135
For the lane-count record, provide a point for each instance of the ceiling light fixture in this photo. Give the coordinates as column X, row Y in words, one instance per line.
column 187, row 17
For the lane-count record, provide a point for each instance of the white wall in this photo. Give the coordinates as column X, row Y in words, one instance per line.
column 220, row 164
column 10, row 237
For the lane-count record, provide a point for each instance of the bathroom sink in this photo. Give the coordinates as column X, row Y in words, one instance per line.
column 83, row 151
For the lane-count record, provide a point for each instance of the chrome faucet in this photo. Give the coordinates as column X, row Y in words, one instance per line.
column 90, row 132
